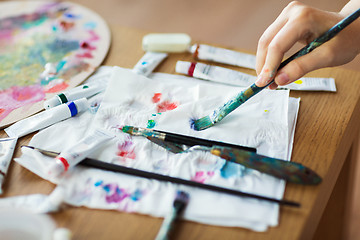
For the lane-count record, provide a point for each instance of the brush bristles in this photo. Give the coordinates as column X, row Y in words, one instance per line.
column 127, row 129
column 201, row 124
column 181, row 200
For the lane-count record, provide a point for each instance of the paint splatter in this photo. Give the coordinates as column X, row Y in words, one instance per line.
column 115, row 194
column 166, row 106
column 230, row 169
column 202, row 176
column 126, row 150
column 151, row 123
column 156, row 98
column 298, row 81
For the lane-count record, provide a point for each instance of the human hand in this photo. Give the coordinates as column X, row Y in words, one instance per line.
column 300, row 23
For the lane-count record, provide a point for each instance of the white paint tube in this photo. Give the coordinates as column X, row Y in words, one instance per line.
column 214, row 73
column 82, row 91
column 70, row 157
column 148, row 63
column 222, row 55
column 236, row 78
column 7, row 146
column 47, row 118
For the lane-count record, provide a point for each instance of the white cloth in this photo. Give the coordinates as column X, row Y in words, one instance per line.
column 262, row 122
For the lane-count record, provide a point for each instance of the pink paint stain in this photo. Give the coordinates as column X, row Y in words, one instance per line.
column 57, row 88
column 93, row 36
column 84, row 55
column 115, row 194
column 16, row 97
column 202, row 176
column 126, row 150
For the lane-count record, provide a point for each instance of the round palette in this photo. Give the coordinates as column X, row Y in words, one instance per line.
column 45, row 48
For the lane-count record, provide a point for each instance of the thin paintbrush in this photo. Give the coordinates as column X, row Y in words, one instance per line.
column 139, row 173
column 179, row 139
column 232, row 104
column 180, row 202
column 290, row 171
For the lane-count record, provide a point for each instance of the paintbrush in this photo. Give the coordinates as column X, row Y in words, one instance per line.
column 178, row 138
column 88, row 162
column 289, row 171
column 180, row 202
column 242, row 97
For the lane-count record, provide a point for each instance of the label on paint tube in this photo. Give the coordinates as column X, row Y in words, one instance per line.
column 7, row 146
column 148, row 63
column 47, row 118
column 222, row 55
column 82, row 91
column 236, row 78
column 214, row 73
column 75, row 154
column 166, row 42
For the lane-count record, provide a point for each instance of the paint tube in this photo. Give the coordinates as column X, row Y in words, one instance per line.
column 313, row 84
column 148, row 63
column 82, row 91
column 214, row 73
column 75, row 154
column 166, row 42
column 236, row 78
column 7, row 146
column 47, row 118
column 222, row 55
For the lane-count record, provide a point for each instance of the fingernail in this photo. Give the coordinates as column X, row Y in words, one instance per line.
column 282, row 79
column 259, row 81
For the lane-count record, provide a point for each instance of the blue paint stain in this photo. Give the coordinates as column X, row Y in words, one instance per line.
column 90, row 25
column 136, row 195
column 107, row 188
column 98, row 183
column 71, row 16
column 229, row 170
column 60, row 65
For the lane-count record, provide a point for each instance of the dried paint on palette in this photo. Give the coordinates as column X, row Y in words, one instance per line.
column 41, row 51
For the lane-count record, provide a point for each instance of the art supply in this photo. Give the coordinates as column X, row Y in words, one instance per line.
column 222, row 55
column 235, row 102
column 82, row 91
column 47, row 118
column 236, row 78
column 290, row 171
column 7, row 146
column 75, row 154
column 148, row 63
column 140, row 173
column 178, row 138
column 179, row 204
column 46, row 47
column 166, row 42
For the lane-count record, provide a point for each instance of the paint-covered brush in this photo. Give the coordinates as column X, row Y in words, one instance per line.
column 242, row 97
column 287, row 170
column 178, row 138
column 179, row 204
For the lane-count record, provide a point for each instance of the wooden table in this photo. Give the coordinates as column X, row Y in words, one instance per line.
column 325, row 140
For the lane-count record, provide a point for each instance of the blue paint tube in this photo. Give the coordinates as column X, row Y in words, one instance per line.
column 47, row 118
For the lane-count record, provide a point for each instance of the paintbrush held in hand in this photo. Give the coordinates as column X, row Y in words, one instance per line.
column 242, row 97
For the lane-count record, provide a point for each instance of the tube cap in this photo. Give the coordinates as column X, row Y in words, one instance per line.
column 182, row 67
column 52, row 102
column 166, row 42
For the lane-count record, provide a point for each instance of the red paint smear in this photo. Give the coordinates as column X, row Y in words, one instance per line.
column 156, row 98
column 202, row 176
column 166, row 106
column 126, row 150
column 85, row 55
column 2, row 111
column 86, row 45
column 66, row 25
column 57, row 88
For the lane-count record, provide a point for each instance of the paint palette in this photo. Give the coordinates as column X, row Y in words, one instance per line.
column 45, row 48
